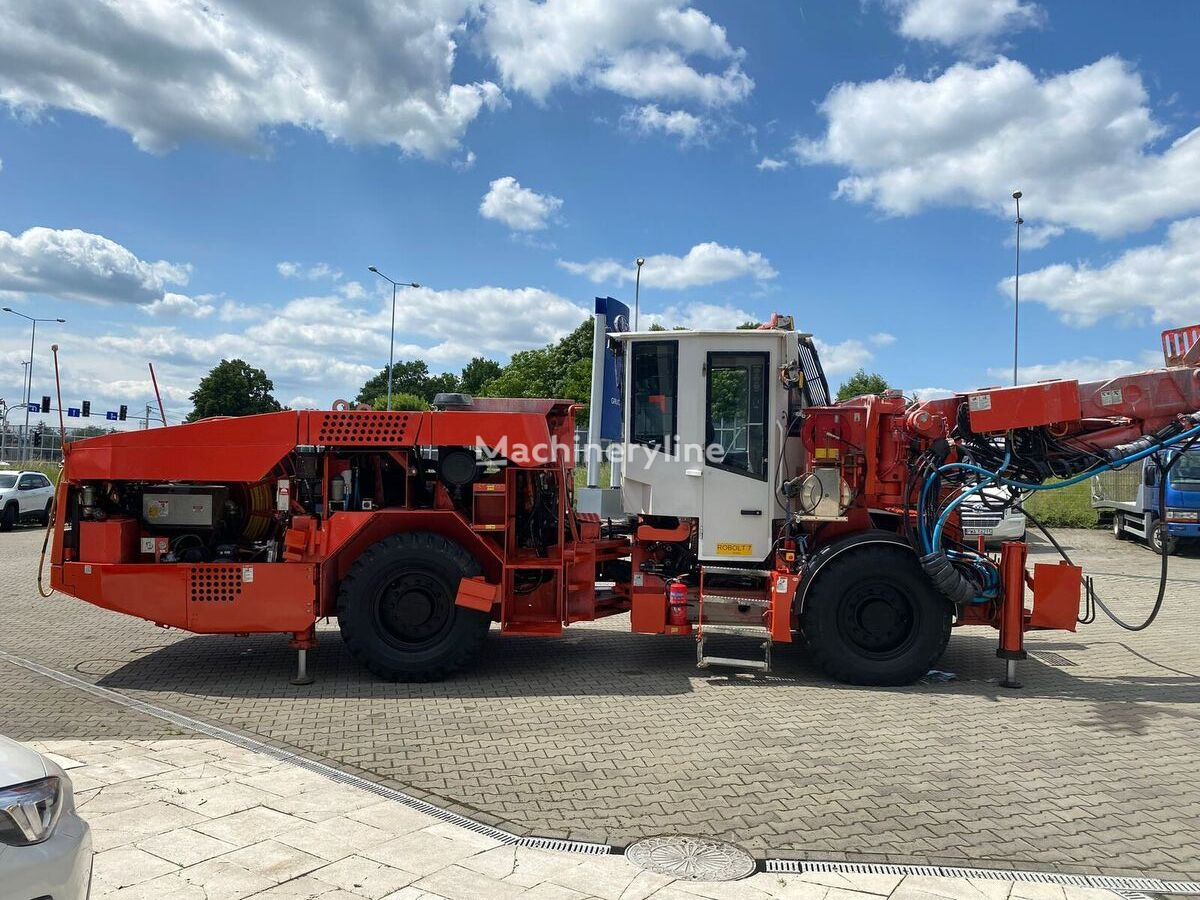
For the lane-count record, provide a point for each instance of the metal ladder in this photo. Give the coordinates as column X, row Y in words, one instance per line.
column 703, row 628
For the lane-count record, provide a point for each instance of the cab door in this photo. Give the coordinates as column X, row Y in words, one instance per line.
column 737, row 504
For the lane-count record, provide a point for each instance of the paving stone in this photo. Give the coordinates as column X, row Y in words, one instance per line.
column 364, row 877
column 602, row 732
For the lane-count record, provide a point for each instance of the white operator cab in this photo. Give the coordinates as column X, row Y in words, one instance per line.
column 706, row 416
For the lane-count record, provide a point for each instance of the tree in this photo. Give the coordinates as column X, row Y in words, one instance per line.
column 402, row 401
column 562, row 370
column 407, row 378
column 233, row 388
column 477, row 373
column 861, row 383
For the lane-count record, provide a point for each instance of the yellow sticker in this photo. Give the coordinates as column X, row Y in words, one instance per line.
column 734, row 549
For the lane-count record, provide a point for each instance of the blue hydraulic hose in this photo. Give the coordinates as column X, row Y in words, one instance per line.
column 963, row 495
column 996, row 477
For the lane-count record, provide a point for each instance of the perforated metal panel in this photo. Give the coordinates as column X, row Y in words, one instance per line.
column 368, row 428
column 217, row 583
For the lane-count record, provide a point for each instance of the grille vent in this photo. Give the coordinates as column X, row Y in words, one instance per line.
column 217, row 583
column 379, row 428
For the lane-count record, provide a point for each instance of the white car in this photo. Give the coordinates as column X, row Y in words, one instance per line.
column 24, row 495
column 45, row 848
column 992, row 517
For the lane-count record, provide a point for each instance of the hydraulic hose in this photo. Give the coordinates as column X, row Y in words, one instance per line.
column 1164, row 474
column 46, row 543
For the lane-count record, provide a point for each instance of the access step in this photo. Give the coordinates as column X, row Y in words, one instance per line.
column 760, row 665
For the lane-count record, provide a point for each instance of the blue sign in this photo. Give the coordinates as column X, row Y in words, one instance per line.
column 611, row 419
column 111, row 416
column 72, row 412
column 35, row 407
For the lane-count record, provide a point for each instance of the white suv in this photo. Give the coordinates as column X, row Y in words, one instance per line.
column 24, row 495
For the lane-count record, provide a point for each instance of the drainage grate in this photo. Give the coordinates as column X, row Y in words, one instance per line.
column 1050, row 658
column 1106, row 882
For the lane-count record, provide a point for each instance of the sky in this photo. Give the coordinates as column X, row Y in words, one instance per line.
column 190, row 181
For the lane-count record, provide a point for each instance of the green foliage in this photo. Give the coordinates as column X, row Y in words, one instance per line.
column 233, row 388
column 402, row 401
column 861, row 383
column 477, row 373
column 562, row 370
column 748, row 326
column 407, row 378
column 656, row 327
column 1069, row 507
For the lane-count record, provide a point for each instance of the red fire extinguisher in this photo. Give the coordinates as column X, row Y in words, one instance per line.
column 677, row 597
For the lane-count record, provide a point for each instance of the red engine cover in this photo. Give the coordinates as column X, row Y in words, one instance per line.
column 1026, row 406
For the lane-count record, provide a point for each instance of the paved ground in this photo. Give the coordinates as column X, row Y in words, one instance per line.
column 204, row 820
column 603, row 735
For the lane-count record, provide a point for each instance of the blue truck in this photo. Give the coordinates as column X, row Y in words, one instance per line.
column 1131, row 495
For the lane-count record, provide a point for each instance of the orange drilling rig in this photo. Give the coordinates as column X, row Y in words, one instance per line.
column 749, row 502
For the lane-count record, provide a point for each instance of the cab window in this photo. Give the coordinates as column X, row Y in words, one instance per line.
column 655, row 393
column 737, row 404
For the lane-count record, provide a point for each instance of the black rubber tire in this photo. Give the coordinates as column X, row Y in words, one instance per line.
column 8, row 518
column 397, row 613
column 45, row 519
column 872, row 617
column 1154, row 542
column 1118, row 532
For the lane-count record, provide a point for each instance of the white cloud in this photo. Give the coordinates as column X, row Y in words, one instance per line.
column 663, row 74
column 231, row 70
column 930, row 393
column 768, row 164
column 964, row 23
column 1158, row 280
column 1082, row 146
column 882, row 339
column 1034, row 237
column 518, row 207
column 707, row 263
column 180, row 306
column 637, row 48
column 846, row 356
column 1085, row 368
column 698, row 317
column 311, row 273
column 688, row 128
column 232, row 311
column 78, row 265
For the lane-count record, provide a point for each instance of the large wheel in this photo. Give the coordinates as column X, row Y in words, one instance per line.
column 1159, row 533
column 872, row 617
column 8, row 518
column 1118, row 531
column 397, row 613
column 45, row 519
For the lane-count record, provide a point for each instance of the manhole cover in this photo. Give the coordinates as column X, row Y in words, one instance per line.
column 691, row 859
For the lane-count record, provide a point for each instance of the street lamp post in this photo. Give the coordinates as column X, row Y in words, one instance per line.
column 29, row 371
column 392, row 339
column 637, row 291
column 1017, row 285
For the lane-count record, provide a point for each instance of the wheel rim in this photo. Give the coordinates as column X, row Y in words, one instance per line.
column 878, row 619
column 414, row 610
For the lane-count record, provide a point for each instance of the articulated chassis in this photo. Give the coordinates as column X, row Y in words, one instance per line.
column 393, row 523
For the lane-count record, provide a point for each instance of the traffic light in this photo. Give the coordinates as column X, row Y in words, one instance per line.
column 37, row 435
column 87, row 408
column 45, row 404
column 123, row 412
